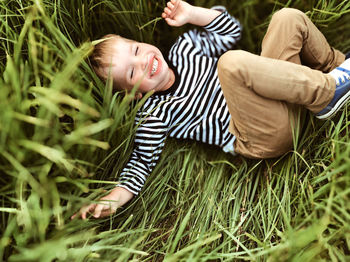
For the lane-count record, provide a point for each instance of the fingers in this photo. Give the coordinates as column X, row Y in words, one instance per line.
column 106, row 213
column 170, row 5
column 170, row 9
column 83, row 211
column 170, row 22
column 175, row 2
column 86, row 210
column 106, row 205
column 166, row 13
column 97, row 210
column 104, row 209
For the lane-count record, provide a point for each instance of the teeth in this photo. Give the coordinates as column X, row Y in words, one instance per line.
column 154, row 66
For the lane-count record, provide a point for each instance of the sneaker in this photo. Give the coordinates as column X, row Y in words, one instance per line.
column 347, row 55
column 341, row 75
column 219, row 8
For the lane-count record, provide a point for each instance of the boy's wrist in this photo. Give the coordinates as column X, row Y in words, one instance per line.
column 121, row 194
column 191, row 14
column 202, row 16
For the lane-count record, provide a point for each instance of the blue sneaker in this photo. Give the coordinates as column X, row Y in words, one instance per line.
column 347, row 55
column 341, row 75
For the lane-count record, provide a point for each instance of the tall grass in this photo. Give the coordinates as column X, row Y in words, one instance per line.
column 64, row 135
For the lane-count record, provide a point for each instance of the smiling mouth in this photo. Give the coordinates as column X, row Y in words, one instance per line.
column 155, row 66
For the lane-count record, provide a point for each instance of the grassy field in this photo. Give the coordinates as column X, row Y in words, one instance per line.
column 64, row 135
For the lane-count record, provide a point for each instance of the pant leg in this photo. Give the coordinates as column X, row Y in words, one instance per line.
column 258, row 90
column 265, row 119
column 291, row 36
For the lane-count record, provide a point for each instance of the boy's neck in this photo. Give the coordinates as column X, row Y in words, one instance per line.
column 171, row 80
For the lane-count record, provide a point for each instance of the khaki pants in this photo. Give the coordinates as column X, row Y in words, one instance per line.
column 265, row 93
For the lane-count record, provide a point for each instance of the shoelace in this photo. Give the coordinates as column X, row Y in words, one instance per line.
column 341, row 75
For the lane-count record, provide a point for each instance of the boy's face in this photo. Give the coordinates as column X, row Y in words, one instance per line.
column 139, row 63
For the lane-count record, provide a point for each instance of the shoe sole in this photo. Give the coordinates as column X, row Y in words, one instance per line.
column 336, row 107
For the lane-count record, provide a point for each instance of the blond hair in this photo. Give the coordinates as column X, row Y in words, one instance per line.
column 100, row 57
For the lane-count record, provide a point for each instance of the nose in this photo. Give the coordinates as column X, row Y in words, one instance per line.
column 141, row 61
column 144, row 62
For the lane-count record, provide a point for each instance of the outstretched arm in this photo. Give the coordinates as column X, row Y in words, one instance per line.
column 178, row 13
column 149, row 142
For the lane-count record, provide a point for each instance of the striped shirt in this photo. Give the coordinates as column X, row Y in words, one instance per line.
column 193, row 108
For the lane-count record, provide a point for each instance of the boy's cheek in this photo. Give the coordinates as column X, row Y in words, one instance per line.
column 139, row 82
column 144, row 86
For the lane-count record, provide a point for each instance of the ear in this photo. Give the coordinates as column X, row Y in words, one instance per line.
column 138, row 95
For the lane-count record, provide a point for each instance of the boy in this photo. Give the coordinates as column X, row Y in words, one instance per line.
column 252, row 109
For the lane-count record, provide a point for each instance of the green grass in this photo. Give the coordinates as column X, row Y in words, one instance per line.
column 64, row 135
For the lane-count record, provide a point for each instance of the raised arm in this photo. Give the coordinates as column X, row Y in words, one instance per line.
column 178, row 13
column 221, row 30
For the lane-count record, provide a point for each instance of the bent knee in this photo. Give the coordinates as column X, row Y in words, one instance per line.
column 287, row 15
column 232, row 60
column 234, row 69
column 229, row 66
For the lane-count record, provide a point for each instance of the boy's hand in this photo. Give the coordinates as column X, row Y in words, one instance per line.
column 177, row 13
column 108, row 204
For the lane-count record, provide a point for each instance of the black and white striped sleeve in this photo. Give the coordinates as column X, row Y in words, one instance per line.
column 149, row 142
column 220, row 35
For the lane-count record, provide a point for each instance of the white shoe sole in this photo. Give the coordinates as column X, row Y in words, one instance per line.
column 336, row 107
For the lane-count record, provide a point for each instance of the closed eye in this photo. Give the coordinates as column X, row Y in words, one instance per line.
column 132, row 73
